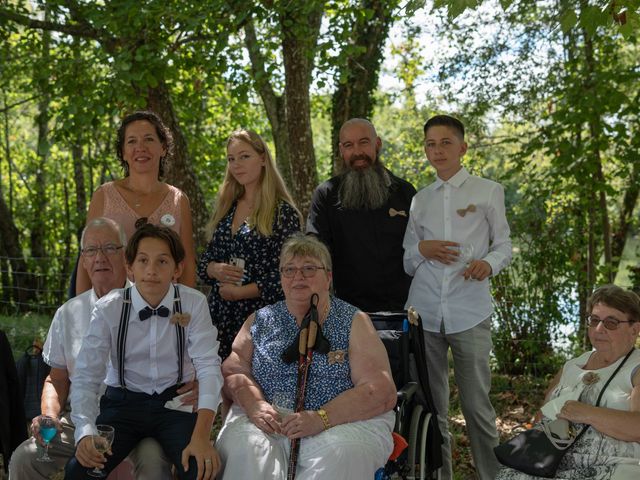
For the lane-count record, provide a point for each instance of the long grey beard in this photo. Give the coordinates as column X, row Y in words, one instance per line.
column 366, row 189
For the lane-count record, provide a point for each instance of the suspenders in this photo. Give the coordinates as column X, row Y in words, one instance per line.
column 124, row 328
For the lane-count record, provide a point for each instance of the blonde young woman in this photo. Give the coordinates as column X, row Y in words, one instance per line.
column 253, row 216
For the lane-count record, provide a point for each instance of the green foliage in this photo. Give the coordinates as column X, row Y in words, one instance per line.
column 23, row 330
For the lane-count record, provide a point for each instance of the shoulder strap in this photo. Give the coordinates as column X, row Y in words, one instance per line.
column 122, row 334
column 615, row 372
column 180, row 335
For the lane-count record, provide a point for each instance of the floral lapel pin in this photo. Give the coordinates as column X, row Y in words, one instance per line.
column 181, row 319
column 463, row 211
column 337, row 356
column 393, row 212
column 590, row 378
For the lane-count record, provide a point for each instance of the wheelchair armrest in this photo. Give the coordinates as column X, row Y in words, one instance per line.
column 407, row 392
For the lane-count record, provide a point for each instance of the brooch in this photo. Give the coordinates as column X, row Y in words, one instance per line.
column 337, row 356
column 590, row 378
column 167, row 220
column 393, row 212
column 463, row 211
column 181, row 319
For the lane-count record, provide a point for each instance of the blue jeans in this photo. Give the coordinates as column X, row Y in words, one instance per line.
column 135, row 416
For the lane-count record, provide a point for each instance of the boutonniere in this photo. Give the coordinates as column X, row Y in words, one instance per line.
column 181, row 319
column 590, row 378
column 393, row 212
column 337, row 356
column 463, row 211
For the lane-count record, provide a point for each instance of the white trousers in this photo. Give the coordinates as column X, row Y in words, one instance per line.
column 350, row 451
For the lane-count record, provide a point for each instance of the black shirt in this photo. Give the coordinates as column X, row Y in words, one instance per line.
column 365, row 245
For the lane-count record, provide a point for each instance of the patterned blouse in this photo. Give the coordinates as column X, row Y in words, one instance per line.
column 329, row 375
column 261, row 256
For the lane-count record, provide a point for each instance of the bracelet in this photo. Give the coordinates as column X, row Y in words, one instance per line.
column 325, row 418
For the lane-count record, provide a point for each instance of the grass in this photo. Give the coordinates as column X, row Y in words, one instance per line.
column 515, row 399
column 23, row 330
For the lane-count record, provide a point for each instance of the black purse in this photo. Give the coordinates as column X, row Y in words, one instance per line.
column 537, row 451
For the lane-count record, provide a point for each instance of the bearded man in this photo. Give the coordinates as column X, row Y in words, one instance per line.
column 361, row 215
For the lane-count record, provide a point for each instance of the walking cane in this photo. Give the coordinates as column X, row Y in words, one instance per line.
column 310, row 339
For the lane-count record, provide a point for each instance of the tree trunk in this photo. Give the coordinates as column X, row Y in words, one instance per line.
column 298, row 47
column 623, row 225
column 23, row 287
column 274, row 104
column 179, row 172
column 353, row 96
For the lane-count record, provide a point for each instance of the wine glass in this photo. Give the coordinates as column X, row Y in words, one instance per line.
column 48, row 430
column 102, row 443
column 465, row 251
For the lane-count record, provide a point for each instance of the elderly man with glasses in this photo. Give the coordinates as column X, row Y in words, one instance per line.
column 103, row 259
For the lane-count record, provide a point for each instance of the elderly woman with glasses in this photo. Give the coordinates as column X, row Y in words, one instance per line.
column 345, row 426
column 610, row 448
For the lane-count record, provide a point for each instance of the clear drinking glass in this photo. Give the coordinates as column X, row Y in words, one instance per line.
column 283, row 403
column 48, row 431
column 102, row 443
column 465, row 250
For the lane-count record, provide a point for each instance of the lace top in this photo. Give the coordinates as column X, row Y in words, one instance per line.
column 116, row 208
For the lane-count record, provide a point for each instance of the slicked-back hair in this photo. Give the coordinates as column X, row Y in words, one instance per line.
column 149, row 230
column 163, row 132
column 101, row 222
column 445, row 121
column 616, row 297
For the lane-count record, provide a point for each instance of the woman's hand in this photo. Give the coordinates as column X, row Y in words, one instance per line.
column 439, row 250
column 206, row 456
column 225, row 273
column 264, row 416
column 87, row 454
column 230, row 292
column 302, row 424
column 577, row 412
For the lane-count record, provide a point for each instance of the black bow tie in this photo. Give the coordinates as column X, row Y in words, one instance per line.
column 147, row 312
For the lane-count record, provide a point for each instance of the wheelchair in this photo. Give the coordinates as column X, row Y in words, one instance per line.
column 416, row 421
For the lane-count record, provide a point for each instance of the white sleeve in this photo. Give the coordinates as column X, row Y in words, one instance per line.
column 412, row 257
column 89, row 374
column 203, row 349
column 499, row 254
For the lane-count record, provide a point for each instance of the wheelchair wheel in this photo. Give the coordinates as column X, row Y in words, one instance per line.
column 414, row 430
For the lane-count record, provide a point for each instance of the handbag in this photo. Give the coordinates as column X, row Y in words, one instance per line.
column 538, row 452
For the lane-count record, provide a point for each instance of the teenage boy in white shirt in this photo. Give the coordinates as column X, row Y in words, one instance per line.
column 456, row 238
column 156, row 335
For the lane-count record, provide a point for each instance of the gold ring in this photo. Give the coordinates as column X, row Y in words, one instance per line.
column 207, row 460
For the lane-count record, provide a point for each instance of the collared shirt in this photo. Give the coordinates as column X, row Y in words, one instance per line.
column 69, row 325
column 151, row 357
column 365, row 245
column 464, row 209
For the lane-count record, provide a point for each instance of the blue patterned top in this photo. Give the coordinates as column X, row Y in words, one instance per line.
column 329, row 375
column 261, row 255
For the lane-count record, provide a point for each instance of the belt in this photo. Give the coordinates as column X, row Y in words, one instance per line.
column 118, row 393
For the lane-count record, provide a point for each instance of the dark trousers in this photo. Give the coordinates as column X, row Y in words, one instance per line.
column 135, row 416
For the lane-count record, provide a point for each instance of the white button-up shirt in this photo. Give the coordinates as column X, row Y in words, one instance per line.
column 151, row 354
column 464, row 209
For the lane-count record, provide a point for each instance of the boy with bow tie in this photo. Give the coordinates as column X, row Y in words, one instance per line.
column 156, row 335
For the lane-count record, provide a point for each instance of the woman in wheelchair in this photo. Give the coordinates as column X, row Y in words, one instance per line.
column 344, row 428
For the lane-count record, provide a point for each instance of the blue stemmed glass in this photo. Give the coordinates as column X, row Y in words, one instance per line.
column 48, row 431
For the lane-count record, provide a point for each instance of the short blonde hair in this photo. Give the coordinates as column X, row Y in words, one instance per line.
column 301, row 245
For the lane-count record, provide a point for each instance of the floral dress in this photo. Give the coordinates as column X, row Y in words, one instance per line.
column 595, row 456
column 261, row 255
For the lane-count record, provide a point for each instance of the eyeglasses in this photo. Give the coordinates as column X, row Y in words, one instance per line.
column 610, row 323
column 107, row 250
column 308, row 271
